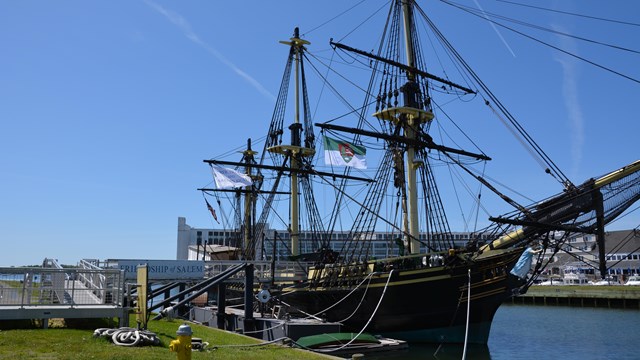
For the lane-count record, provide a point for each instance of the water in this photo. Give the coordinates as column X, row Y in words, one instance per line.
column 547, row 332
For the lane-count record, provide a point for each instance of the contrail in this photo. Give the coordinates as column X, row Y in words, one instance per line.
column 571, row 101
column 494, row 28
column 184, row 25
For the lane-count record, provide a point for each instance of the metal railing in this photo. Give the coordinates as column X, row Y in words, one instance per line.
column 284, row 271
column 54, row 286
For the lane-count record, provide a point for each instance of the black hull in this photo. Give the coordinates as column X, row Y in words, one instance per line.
column 420, row 305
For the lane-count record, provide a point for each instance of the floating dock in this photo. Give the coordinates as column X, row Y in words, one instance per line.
column 271, row 328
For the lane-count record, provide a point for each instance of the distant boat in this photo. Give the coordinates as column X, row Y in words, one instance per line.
column 633, row 280
column 603, row 282
column 423, row 294
column 574, row 276
column 551, row 282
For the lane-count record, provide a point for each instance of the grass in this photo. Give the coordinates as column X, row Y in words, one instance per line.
column 62, row 342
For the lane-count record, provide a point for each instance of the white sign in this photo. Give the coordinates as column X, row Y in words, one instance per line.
column 164, row 269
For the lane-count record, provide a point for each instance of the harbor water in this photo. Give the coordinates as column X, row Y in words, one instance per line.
column 547, row 332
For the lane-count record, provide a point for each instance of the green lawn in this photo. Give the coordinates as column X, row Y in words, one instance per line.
column 67, row 343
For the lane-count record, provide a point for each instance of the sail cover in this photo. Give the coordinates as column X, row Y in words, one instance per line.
column 229, row 178
column 342, row 153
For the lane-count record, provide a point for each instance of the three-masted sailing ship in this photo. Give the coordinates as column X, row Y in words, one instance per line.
column 433, row 291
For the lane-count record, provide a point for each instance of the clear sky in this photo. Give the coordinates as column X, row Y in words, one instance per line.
column 107, row 108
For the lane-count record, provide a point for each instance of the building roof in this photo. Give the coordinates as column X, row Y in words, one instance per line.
column 214, row 248
column 622, row 242
column 618, row 244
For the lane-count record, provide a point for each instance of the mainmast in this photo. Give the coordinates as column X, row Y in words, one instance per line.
column 409, row 94
column 410, row 117
column 295, row 151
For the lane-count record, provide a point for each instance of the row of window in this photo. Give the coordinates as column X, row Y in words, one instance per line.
column 623, row 257
column 344, row 236
column 216, row 233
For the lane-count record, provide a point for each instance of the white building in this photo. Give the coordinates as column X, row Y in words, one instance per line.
column 192, row 239
column 580, row 254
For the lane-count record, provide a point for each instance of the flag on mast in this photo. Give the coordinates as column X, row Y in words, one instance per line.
column 229, row 178
column 212, row 211
column 342, row 153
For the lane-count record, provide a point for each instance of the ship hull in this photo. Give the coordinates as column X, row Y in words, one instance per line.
column 420, row 305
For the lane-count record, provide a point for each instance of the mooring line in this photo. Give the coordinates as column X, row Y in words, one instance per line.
column 466, row 331
column 370, row 318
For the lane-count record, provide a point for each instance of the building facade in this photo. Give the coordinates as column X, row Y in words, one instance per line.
column 383, row 244
column 579, row 253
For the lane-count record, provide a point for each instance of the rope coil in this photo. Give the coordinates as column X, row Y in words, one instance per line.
column 128, row 336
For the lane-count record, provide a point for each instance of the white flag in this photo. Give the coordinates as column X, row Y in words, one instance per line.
column 229, row 178
column 342, row 153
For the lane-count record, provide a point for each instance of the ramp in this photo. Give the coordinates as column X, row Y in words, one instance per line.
column 54, row 292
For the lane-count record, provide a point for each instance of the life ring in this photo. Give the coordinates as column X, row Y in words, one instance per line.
column 264, row 296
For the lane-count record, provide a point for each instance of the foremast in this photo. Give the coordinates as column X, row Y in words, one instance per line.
column 250, row 198
column 295, row 150
column 246, row 196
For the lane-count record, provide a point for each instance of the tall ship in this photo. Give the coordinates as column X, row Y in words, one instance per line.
column 432, row 289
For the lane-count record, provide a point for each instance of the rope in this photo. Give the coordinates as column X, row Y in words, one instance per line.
column 280, row 324
column 315, row 316
column 453, row 318
column 349, row 294
column 308, row 315
column 283, row 339
column 128, row 336
column 572, row 14
column 466, row 332
column 361, row 300
column 367, row 324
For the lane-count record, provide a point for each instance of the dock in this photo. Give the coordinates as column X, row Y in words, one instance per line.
column 619, row 297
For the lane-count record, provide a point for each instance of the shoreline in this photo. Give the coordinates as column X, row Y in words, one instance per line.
column 612, row 296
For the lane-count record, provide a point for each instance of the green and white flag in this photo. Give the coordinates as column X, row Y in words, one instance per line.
column 342, row 153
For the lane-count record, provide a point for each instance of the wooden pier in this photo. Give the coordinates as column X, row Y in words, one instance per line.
column 620, row 297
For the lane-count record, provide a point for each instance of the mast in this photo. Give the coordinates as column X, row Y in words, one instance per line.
column 411, row 118
column 249, row 202
column 295, row 151
column 410, row 133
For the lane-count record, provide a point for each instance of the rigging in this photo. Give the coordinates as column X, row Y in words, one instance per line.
column 571, row 13
column 608, row 69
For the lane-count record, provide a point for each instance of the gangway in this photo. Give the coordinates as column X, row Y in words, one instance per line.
column 196, row 290
column 219, row 281
column 51, row 291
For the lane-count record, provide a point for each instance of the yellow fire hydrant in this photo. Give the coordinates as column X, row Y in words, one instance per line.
column 182, row 346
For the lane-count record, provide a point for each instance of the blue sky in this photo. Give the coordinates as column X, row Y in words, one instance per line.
column 107, row 108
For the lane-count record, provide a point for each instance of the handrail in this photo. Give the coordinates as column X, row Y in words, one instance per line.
column 285, row 270
column 204, row 286
column 225, row 274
